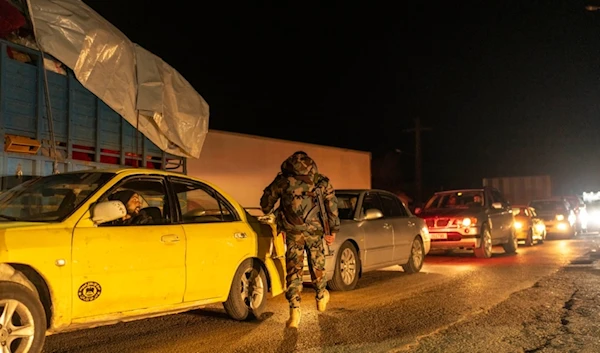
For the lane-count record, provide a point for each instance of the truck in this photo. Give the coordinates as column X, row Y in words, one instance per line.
column 83, row 133
column 243, row 165
column 520, row 190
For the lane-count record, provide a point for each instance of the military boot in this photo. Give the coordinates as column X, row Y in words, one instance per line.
column 322, row 303
column 294, row 319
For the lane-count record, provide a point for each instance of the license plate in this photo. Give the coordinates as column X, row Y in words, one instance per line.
column 438, row 235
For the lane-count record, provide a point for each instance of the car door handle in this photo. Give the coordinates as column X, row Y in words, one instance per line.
column 411, row 224
column 239, row 235
column 387, row 226
column 170, row 238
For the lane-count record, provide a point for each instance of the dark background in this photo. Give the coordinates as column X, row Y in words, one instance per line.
column 508, row 87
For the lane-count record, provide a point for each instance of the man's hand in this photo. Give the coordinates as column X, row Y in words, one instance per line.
column 329, row 239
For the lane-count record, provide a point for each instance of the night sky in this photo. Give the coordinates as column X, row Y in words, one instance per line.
column 508, row 87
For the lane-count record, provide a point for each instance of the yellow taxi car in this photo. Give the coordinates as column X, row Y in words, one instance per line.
column 529, row 227
column 90, row 248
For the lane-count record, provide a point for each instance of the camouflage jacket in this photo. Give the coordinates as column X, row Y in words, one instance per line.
column 294, row 188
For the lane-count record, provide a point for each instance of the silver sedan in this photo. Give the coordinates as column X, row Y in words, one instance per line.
column 377, row 231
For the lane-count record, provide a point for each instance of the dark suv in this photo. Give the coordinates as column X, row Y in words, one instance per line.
column 472, row 219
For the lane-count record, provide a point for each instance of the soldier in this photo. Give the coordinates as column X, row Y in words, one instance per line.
column 298, row 216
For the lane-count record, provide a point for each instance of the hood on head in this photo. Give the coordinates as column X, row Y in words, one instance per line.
column 299, row 164
column 123, row 196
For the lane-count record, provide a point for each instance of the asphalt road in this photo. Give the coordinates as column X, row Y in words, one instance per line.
column 457, row 303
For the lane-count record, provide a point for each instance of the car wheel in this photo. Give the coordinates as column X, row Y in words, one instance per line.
column 22, row 319
column 529, row 239
column 347, row 269
column 248, row 293
column 417, row 257
column 484, row 250
column 513, row 243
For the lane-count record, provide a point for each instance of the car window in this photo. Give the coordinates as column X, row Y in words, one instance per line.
column 346, row 205
column 549, row 206
column 145, row 199
column 370, row 201
column 51, row 198
column 199, row 203
column 392, row 206
column 456, row 199
column 404, row 209
column 497, row 196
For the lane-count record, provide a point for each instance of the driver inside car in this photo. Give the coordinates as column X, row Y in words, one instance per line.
column 135, row 215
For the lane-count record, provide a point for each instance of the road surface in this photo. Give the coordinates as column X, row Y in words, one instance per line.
column 388, row 311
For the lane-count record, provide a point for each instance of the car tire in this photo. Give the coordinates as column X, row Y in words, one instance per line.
column 29, row 311
column 529, row 239
column 248, row 293
column 484, row 251
column 513, row 243
column 347, row 269
column 416, row 258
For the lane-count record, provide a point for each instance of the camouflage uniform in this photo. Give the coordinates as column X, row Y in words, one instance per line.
column 298, row 217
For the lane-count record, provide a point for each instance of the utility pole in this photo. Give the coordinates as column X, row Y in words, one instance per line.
column 418, row 166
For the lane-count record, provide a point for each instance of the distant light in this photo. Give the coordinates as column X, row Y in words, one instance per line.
column 591, row 196
column 562, row 226
column 518, row 225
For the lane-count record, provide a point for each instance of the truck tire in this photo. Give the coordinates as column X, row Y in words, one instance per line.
column 248, row 293
column 21, row 308
column 484, row 251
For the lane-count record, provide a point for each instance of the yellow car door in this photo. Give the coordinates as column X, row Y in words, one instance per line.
column 121, row 268
column 218, row 240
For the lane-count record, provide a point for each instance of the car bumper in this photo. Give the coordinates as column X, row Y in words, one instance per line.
column 558, row 227
column 522, row 234
column 453, row 238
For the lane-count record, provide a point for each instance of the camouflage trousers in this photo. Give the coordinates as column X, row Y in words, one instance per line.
column 296, row 245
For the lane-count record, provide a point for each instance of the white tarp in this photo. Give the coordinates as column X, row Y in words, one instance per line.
column 137, row 84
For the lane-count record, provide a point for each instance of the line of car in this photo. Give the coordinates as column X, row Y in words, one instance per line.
column 379, row 231
column 65, row 266
column 478, row 219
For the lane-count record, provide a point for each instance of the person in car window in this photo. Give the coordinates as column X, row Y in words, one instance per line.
column 135, row 215
column 477, row 200
column 452, row 201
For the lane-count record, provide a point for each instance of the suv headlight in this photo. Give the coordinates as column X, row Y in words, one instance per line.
column 467, row 222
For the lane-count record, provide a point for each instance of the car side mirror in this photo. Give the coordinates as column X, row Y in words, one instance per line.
column 497, row 205
column 108, row 211
column 417, row 210
column 373, row 213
